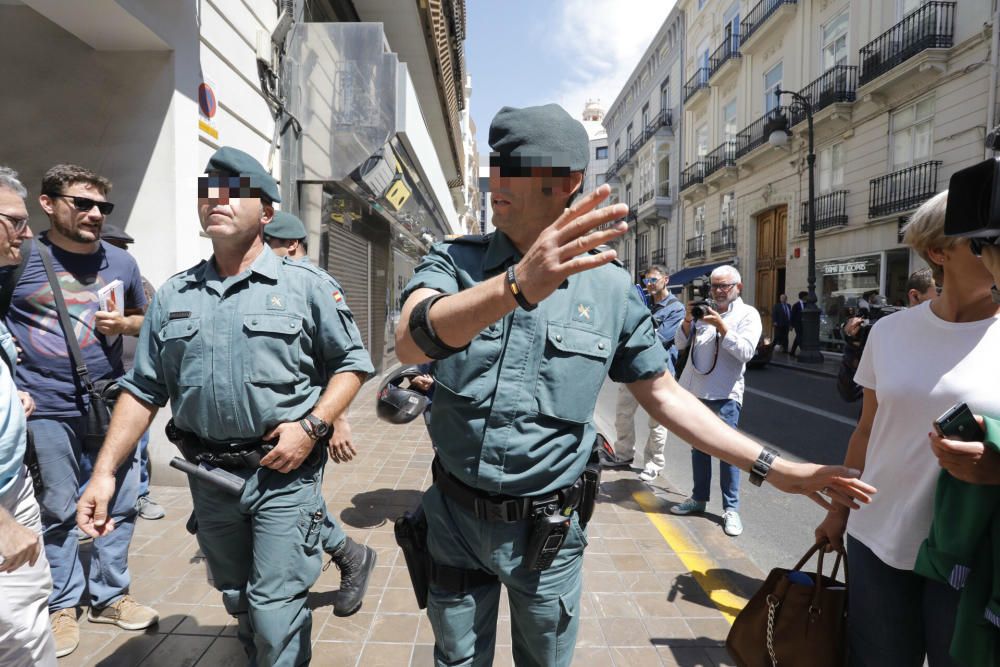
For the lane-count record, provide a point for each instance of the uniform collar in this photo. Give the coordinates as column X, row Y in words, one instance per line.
column 265, row 265
column 499, row 252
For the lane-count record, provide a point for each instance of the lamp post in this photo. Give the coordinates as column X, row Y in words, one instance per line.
column 777, row 133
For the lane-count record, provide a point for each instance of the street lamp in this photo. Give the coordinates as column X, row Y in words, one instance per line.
column 777, row 133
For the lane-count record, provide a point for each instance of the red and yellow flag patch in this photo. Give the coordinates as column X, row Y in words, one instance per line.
column 337, row 296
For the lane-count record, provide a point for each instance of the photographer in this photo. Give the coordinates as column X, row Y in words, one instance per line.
column 723, row 334
column 919, row 288
column 916, row 365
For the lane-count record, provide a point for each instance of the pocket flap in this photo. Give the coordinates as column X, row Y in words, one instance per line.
column 271, row 323
column 579, row 341
column 180, row 328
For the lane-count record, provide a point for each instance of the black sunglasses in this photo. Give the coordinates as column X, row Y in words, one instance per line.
column 86, row 204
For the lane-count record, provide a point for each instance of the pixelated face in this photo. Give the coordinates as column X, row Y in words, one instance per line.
column 525, row 194
column 77, row 213
column 229, row 207
column 13, row 215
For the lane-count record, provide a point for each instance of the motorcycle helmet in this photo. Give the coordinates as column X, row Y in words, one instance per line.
column 398, row 405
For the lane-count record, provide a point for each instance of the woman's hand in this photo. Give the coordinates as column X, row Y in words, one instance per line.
column 832, row 529
column 971, row 462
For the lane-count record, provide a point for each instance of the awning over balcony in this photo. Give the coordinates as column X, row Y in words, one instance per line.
column 685, row 276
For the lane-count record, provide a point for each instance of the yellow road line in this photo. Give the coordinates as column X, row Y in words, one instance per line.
column 704, row 570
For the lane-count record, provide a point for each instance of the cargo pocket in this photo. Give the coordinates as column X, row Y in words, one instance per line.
column 273, row 348
column 182, row 353
column 572, row 371
column 303, row 569
column 471, row 373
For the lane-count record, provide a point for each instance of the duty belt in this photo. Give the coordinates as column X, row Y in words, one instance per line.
column 498, row 507
column 229, row 456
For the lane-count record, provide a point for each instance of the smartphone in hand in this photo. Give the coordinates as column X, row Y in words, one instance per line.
column 958, row 423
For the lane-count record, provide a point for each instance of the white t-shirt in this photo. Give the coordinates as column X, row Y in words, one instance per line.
column 735, row 350
column 919, row 366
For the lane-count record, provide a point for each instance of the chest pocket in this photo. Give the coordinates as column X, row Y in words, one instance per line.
column 273, row 348
column 471, row 373
column 183, row 353
column 571, row 372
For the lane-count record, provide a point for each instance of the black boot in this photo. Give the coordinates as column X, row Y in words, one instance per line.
column 356, row 563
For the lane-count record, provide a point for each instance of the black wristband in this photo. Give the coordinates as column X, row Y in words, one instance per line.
column 423, row 333
column 515, row 289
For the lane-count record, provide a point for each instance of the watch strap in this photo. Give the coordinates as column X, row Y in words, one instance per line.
column 307, row 427
column 762, row 466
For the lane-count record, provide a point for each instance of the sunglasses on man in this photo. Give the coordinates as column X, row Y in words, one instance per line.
column 84, row 204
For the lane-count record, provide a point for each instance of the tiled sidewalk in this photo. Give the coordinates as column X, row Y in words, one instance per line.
column 641, row 605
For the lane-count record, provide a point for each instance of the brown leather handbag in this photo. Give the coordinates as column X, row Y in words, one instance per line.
column 794, row 622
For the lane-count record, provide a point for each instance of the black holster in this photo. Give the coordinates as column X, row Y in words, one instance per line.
column 591, row 480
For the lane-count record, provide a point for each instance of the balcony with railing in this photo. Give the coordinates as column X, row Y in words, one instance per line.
column 695, row 247
column 932, row 26
column 692, row 175
column 696, row 84
column 727, row 53
column 831, row 211
column 752, row 136
column 766, row 13
column 903, row 190
column 660, row 256
column 665, row 118
column 722, row 157
column 636, row 144
column 724, row 239
column 838, row 85
column 646, row 196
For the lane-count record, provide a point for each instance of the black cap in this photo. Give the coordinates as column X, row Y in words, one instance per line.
column 545, row 136
column 113, row 233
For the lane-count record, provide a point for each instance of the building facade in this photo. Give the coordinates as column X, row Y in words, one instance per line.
column 899, row 92
column 597, row 165
column 644, row 140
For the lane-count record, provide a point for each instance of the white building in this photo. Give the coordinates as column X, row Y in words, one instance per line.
column 597, row 166
column 899, row 91
column 645, row 139
column 485, row 205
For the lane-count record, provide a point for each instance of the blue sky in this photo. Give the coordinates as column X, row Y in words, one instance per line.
column 527, row 52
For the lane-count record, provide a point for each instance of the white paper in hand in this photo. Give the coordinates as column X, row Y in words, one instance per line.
column 111, row 298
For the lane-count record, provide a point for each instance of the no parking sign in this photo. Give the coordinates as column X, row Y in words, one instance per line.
column 208, row 106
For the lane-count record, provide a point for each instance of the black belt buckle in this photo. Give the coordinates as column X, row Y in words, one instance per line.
column 507, row 511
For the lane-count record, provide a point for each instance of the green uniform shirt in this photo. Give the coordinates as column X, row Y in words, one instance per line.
column 512, row 412
column 237, row 356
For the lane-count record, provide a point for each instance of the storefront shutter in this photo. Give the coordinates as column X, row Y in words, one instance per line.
column 349, row 259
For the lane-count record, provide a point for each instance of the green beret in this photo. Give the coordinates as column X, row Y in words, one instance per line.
column 545, row 136
column 286, row 227
column 233, row 161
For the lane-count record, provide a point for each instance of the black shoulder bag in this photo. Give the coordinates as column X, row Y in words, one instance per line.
column 101, row 395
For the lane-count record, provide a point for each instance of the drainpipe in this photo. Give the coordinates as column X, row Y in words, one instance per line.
column 994, row 74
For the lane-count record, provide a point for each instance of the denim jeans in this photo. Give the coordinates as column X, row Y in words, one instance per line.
column 66, row 470
column 896, row 617
column 701, row 463
column 142, row 451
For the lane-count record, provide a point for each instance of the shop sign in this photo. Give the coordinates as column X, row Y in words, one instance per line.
column 845, row 267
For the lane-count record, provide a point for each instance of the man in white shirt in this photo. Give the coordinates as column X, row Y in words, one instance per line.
column 722, row 341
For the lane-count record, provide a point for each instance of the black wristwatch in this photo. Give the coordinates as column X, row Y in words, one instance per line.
column 315, row 427
column 762, row 466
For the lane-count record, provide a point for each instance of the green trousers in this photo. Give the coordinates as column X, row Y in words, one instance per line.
column 544, row 606
column 264, row 552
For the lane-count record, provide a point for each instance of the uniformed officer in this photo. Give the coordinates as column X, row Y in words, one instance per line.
column 252, row 351
column 526, row 323
column 286, row 236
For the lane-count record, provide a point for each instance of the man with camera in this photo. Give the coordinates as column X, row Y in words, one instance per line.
column 75, row 201
column 723, row 333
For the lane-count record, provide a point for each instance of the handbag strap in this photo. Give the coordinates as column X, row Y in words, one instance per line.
column 67, row 326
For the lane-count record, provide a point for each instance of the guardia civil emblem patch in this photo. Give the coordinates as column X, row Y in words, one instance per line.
column 584, row 312
column 275, row 302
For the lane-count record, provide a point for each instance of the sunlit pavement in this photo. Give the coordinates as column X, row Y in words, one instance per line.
column 658, row 589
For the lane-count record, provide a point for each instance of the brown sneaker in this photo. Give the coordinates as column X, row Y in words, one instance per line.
column 126, row 613
column 65, row 630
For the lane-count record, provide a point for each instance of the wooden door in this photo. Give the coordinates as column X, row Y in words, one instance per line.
column 771, row 246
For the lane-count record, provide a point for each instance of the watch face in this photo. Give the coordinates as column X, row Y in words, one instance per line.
column 322, row 429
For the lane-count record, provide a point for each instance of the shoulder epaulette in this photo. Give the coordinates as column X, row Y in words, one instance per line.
column 471, row 239
column 309, row 267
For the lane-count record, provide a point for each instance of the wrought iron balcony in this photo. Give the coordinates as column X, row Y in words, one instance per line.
column 646, row 196
column 695, row 247
column 636, row 145
column 836, row 85
column 696, row 83
column 723, row 156
column 660, row 256
column 693, row 175
column 761, row 12
column 831, row 211
column 903, row 190
column 665, row 118
column 930, row 27
column 729, row 49
column 724, row 239
column 752, row 136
